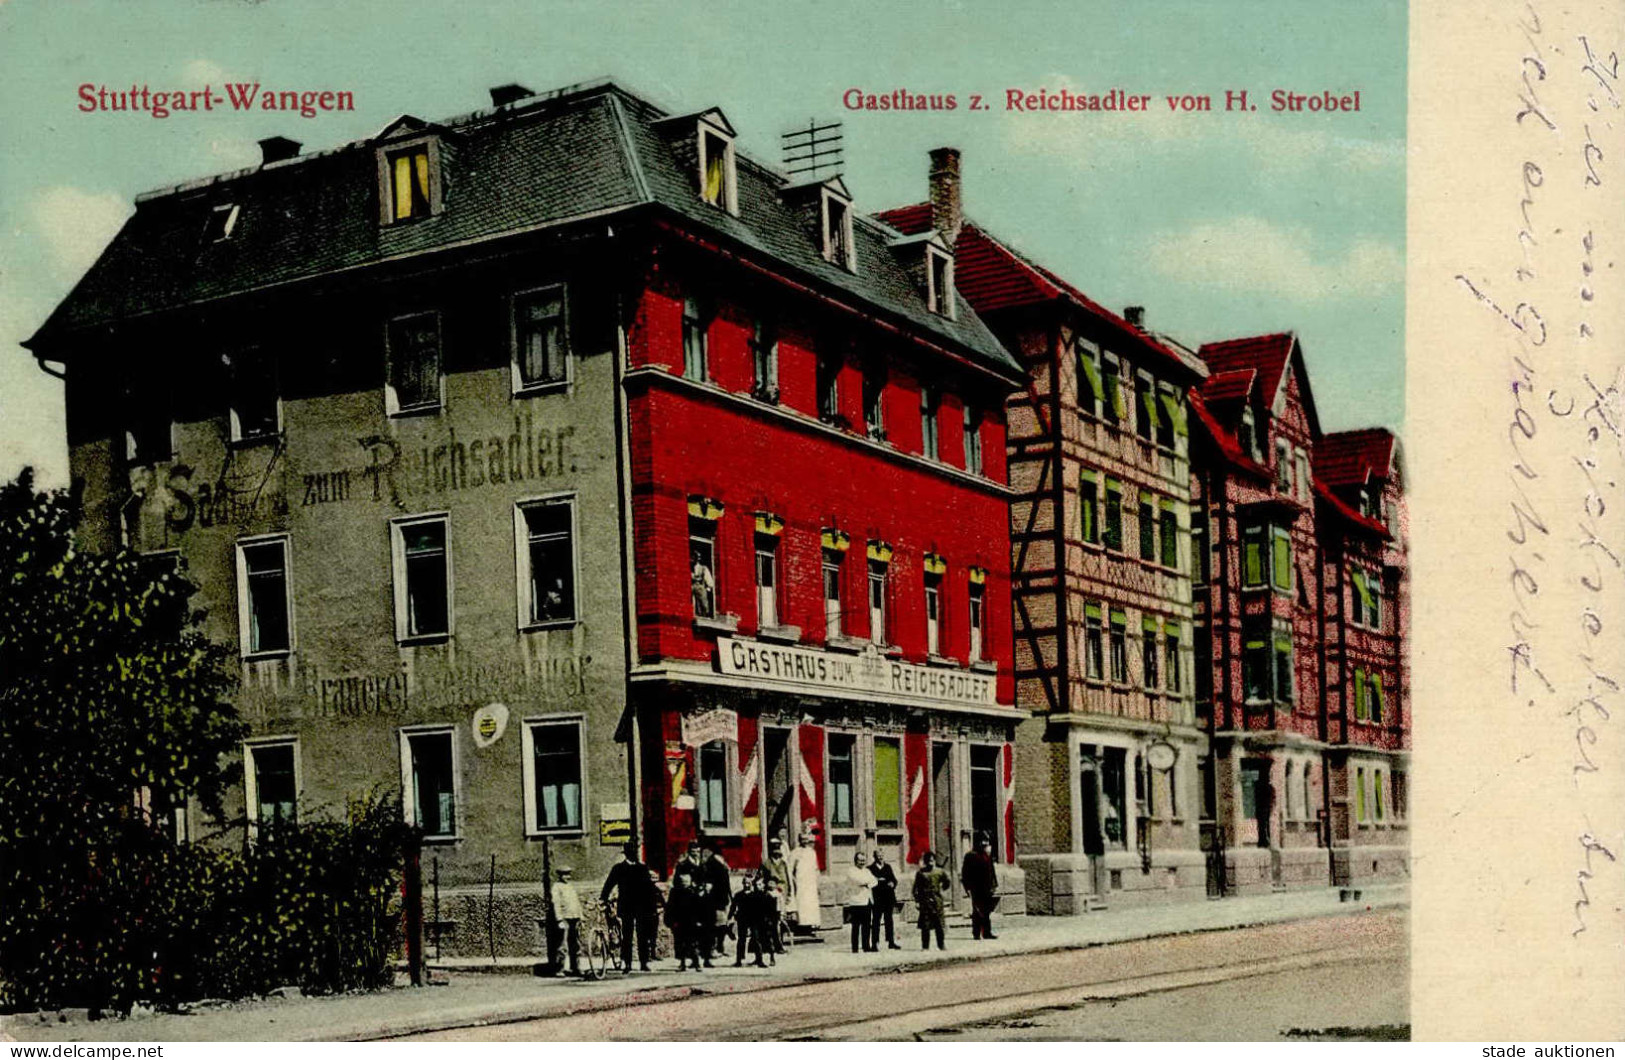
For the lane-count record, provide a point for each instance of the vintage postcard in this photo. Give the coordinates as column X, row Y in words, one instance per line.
column 1048, row 522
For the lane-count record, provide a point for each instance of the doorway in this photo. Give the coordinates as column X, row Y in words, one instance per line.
column 944, row 829
column 776, row 763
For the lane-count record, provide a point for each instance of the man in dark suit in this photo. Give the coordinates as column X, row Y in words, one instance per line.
column 635, row 904
column 982, row 884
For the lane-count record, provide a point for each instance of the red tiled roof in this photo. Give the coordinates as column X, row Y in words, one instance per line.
column 1351, row 458
column 1268, row 355
column 1229, row 386
column 1227, row 442
column 993, row 276
column 1348, row 514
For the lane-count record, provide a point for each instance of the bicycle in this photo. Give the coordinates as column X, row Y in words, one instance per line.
column 603, row 938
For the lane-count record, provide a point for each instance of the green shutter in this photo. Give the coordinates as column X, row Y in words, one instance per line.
column 1176, row 413
column 1376, row 698
column 1148, row 401
column 1359, row 695
column 888, row 771
column 1092, row 611
column 1091, row 373
column 1363, row 589
column 1116, row 395
column 1119, row 618
column 1148, row 624
column 1283, row 560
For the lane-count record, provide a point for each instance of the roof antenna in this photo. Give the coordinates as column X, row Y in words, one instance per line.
column 808, row 152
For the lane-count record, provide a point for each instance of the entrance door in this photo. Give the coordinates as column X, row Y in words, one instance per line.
column 1094, row 838
column 1257, row 799
column 781, row 790
column 944, row 829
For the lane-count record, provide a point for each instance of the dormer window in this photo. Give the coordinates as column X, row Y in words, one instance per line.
column 837, row 215
column 222, row 220
column 717, row 173
column 1248, row 435
column 409, row 180
column 939, row 272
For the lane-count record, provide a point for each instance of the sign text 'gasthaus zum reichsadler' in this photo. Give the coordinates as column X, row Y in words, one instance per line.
column 805, row 668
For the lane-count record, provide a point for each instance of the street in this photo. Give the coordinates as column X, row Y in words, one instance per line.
column 1338, row 977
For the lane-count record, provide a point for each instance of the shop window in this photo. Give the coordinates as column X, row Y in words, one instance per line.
column 888, row 789
column 874, row 408
column 1119, row 647
column 272, row 782
column 711, row 778
column 842, row 808
column 1113, row 779
column 838, row 231
column 264, row 597
column 1170, row 642
column 423, row 584
column 877, row 601
column 1148, row 528
column 985, row 804
column 976, row 599
column 1094, row 651
column 541, row 347
column 1148, row 653
column 973, row 440
column 1113, row 533
column 929, row 407
column 553, row 775
column 255, row 401
column 547, row 563
column 834, row 561
column 933, row 613
column 1169, row 529
column 767, row 581
column 764, row 354
column 413, row 360
column 829, row 389
column 702, row 563
column 696, row 340
column 428, row 762
column 1088, row 506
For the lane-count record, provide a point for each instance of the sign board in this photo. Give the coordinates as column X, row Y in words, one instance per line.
column 867, row 672
column 717, row 724
column 490, row 722
column 614, row 833
column 1161, row 756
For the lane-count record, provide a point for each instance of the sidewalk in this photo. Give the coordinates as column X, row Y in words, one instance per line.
column 471, row 999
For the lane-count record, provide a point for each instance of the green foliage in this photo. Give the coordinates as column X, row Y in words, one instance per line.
column 113, row 708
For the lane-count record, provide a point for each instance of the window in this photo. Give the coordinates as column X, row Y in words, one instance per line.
column 1148, row 528
column 1170, row 535
column 712, row 780
column 1119, row 647
column 767, row 581
column 940, row 281
column 1308, row 802
column 829, row 393
column 877, row 601
column 842, row 812
column 1281, row 565
column 413, row 351
column 429, row 780
column 271, row 782
column 1376, row 790
column 256, row 404
column 696, row 322
column 222, row 220
column 1373, row 583
column 929, row 403
column 984, row 793
column 1091, row 392
column 1200, row 557
column 1094, row 650
column 264, row 597
column 547, row 562
column 1170, row 418
column 1247, row 433
column 1284, row 676
column 1283, row 465
column 409, row 183
column 874, row 411
column 1144, row 793
column 1202, row 663
column 933, row 613
column 1374, row 693
column 888, row 790
column 553, row 775
column 1088, row 506
column 1289, row 810
column 764, row 354
column 838, row 232
column 1113, row 534
column 1359, row 795
column 1146, row 419
column 1148, row 653
column 1210, row 791
column 541, row 345
column 833, row 562
column 1113, row 767
column 1170, row 642
column 1305, row 487
column 702, row 564
column 1256, row 676
column 148, row 438
column 973, row 440
column 1358, row 595
column 977, row 599
column 1399, row 796
column 1361, row 705
column 422, row 577
column 1253, row 559
column 1111, row 405
column 717, row 170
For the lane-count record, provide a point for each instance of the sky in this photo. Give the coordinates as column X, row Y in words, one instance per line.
column 1222, row 224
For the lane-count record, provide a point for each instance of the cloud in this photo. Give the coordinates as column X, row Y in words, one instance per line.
column 200, row 72
column 1252, row 254
column 74, row 226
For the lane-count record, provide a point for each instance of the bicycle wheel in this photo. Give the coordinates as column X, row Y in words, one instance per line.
column 787, row 938
column 597, row 954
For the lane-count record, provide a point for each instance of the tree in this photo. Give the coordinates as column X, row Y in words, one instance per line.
column 113, row 709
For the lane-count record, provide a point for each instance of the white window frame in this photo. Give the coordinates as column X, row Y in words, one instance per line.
column 860, row 814
column 940, row 302
column 527, row 727
column 386, row 178
column 409, row 807
column 731, row 793
column 521, row 550
column 878, row 616
column 397, row 548
column 516, row 358
column 933, row 623
column 286, row 542
column 392, row 398
column 998, row 836
column 976, row 620
column 704, row 136
column 251, row 793
column 974, row 459
column 231, row 212
column 827, row 200
column 834, row 613
column 766, row 547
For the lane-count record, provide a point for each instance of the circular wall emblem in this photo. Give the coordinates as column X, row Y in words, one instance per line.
column 1161, row 756
column 489, row 723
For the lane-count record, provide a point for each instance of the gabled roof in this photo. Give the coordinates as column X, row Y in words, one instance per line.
column 1271, row 357
column 991, row 275
column 1344, row 511
column 576, row 155
column 1233, row 385
column 1353, row 458
column 1225, row 441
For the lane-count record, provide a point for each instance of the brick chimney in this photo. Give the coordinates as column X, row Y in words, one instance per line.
column 1135, row 315
column 502, row 95
column 277, row 148
column 947, row 215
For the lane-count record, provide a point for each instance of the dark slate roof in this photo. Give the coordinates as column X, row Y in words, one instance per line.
column 993, row 275
column 570, row 155
column 1352, row 458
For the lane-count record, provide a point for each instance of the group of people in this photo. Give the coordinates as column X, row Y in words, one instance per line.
column 703, row 910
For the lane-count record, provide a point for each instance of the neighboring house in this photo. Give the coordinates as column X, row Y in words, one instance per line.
column 1099, row 458
column 511, row 450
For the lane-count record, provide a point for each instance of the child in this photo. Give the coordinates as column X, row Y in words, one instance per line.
column 751, row 913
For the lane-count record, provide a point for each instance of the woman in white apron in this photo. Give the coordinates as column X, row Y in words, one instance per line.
column 804, row 878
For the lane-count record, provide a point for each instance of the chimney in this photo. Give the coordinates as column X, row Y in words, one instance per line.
column 1135, row 315
column 947, row 215
column 276, row 148
column 502, row 95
